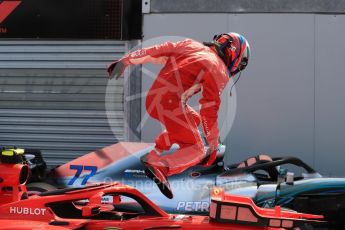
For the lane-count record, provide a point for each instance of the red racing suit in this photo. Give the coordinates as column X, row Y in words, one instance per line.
column 186, row 64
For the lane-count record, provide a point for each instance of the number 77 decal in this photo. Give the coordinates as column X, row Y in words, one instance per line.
column 79, row 169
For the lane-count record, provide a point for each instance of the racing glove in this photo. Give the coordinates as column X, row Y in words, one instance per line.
column 116, row 69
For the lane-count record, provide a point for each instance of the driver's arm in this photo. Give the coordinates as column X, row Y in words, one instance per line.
column 157, row 54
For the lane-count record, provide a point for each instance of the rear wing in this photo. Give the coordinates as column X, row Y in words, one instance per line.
column 226, row 208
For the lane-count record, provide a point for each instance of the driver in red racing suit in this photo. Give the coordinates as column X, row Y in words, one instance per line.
column 189, row 67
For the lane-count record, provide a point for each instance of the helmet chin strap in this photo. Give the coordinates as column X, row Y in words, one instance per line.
column 238, row 78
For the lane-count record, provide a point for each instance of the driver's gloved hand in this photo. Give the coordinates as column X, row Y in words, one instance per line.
column 116, row 69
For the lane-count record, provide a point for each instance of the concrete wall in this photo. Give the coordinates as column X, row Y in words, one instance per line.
column 290, row 100
column 244, row 6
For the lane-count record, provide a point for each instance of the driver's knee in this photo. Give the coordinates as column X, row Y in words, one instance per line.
column 164, row 141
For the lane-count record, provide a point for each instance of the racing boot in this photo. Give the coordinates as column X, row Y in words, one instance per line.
column 155, row 174
column 156, row 171
column 151, row 157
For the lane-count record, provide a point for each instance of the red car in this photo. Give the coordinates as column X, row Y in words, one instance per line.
column 118, row 206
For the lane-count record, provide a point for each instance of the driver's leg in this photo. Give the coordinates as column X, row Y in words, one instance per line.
column 181, row 128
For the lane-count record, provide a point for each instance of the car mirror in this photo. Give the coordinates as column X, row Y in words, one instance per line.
column 90, row 210
column 29, row 157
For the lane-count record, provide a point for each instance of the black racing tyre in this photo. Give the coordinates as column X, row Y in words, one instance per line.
column 39, row 187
